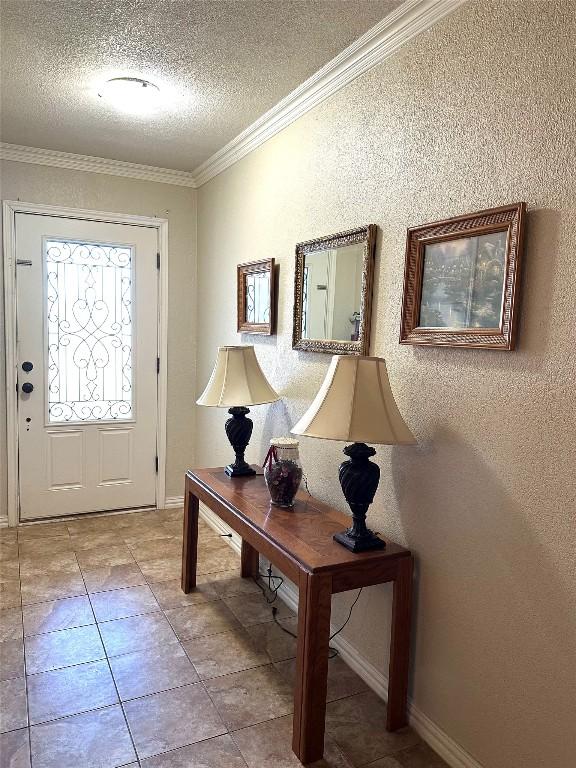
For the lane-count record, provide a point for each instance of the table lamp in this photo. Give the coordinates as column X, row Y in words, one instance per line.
column 237, row 381
column 355, row 403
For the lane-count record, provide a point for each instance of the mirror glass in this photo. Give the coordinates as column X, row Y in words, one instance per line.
column 258, row 297
column 332, row 293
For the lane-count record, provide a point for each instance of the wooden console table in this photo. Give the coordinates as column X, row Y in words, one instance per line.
column 299, row 543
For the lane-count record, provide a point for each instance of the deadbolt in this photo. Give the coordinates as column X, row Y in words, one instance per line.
column 27, row 366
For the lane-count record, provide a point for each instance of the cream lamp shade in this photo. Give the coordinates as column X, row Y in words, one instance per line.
column 355, row 404
column 236, row 380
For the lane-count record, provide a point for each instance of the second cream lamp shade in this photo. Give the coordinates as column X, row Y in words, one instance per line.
column 355, row 404
column 237, row 381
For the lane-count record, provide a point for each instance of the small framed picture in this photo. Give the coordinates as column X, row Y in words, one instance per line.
column 462, row 278
column 256, row 296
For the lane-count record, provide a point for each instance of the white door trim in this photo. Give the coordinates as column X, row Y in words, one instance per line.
column 9, row 210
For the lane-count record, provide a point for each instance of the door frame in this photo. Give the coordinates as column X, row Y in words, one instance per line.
column 9, row 210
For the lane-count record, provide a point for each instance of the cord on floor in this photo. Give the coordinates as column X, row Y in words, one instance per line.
column 333, row 652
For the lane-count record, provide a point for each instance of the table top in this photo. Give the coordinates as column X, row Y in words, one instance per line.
column 304, row 532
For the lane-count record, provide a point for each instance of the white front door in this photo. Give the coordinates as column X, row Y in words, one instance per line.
column 87, row 319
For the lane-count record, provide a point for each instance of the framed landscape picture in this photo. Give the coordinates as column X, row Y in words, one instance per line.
column 461, row 280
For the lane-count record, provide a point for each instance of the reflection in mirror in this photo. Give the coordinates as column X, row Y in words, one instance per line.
column 332, row 294
column 256, row 297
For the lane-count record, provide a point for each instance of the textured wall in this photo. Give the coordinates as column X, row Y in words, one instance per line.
column 476, row 113
column 55, row 186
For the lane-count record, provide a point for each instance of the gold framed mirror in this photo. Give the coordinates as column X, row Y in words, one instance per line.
column 333, row 292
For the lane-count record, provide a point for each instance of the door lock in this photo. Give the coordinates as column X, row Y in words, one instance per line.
column 27, row 366
column 27, row 387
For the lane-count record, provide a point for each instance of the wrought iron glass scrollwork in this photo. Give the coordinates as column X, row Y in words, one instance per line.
column 89, row 320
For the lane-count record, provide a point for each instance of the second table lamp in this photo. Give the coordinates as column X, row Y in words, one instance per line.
column 355, row 403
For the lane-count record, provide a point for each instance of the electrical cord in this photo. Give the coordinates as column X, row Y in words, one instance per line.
column 333, row 651
column 271, row 591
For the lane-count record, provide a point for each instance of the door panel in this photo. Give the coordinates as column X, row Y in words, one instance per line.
column 87, row 320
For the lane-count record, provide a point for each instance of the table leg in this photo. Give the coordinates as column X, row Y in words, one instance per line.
column 315, row 593
column 249, row 561
column 397, row 715
column 189, row 542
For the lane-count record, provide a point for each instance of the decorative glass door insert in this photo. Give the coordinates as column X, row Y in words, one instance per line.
column 89, row 331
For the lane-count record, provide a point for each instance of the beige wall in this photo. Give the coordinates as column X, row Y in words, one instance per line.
column 476, row 113
column 55, row 186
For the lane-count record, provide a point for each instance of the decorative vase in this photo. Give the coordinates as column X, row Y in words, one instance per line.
column 283, row 471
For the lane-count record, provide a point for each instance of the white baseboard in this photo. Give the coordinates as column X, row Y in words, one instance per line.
column 432, row 734
column 173, row 501
column 3, row 522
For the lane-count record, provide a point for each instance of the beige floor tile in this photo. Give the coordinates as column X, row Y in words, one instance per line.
column 136, row 633
column 15, row 749
column 172, row 719
column 157, row 549
column 89, row 541
column 112, row 577
column 166, row 569
column 226, row 652
column 54, row 587
column 419, row 756
column 151, row 671
column 89, row 525
column 9, row 569
column 217, row 558
column 10, row 624
column 42, row 531
column 253, row 609
column 57, row 614
column 11, row 659
column 202, row 619
column 250, row 697
column 121, row 603
column 45, row 546
column 137, row 534
column 277, row 643
column 219, row 752
column 228, row 583
column 170, row 595
column 13, row 706
column 97, row 739
column 9, row 548
column 70, row 691
column 104, row 556
column 10, row 594
column 8, row 535
column 342, row 681
column 63, row 648
column 357, row 725
column 270, row 744
column 176, row 528
column 59, row 563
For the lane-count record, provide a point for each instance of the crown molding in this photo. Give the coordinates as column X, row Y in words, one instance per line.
column 75, row 162
column 376, row 45
column 383, row 40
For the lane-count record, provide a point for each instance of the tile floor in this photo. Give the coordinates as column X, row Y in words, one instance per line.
column 106, row 663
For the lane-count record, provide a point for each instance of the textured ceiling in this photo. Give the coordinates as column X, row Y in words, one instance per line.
column 223, row 63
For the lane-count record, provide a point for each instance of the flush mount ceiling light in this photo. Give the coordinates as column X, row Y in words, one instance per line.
column 131, row 94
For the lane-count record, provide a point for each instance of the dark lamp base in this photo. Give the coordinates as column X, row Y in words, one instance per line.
column 359, row 480
column 363, row 544
column 242, row 471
